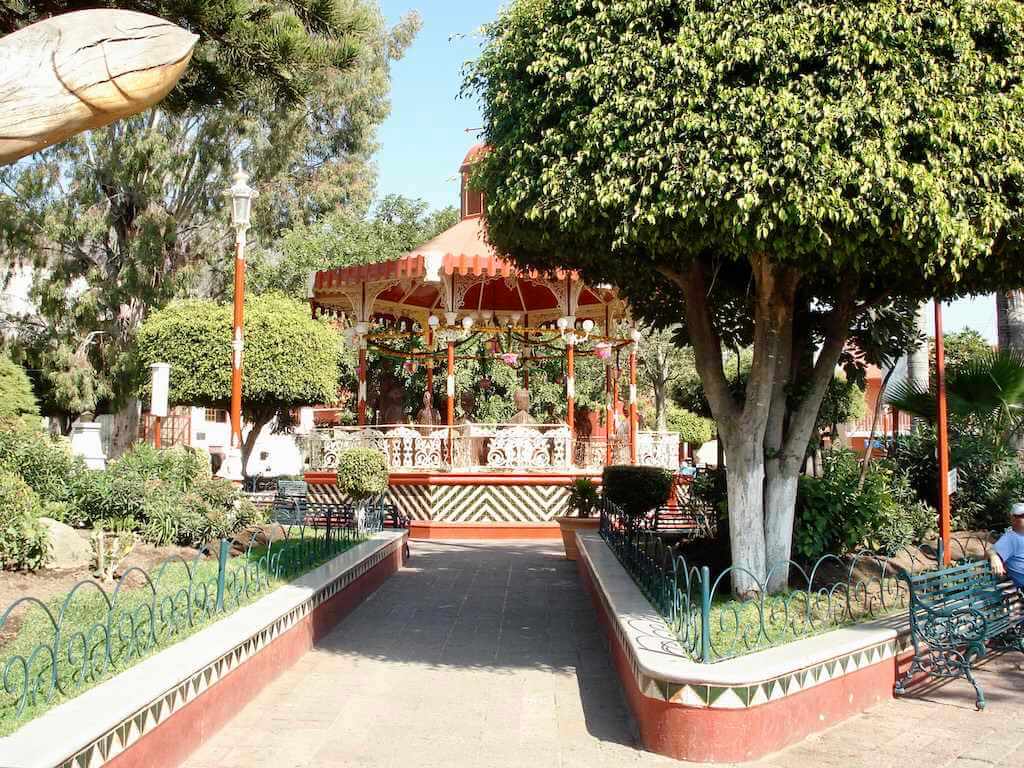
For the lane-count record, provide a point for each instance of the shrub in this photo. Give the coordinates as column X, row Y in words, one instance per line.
column 986, row 473
column 637, row 490
column 692, row 429
column 584, row 497
column 178, row 467
column 24, row 544
column 362, row 473
column 833, row 516
column 16, row 397
column 45, row 463
column 709, row 486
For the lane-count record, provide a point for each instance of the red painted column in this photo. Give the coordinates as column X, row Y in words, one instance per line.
column 237, row 343
column 632, row 404
column 362, row 383
column 942, row 442
column 570, row 386
column 609, row 413
column 451, row 400
column 430, row 363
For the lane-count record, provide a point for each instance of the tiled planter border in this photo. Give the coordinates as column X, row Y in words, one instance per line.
column 743, row 708
column 159, row 711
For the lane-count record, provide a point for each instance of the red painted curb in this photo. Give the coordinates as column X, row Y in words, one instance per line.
column 702, row 734
column 172, row 741
column 425, row 530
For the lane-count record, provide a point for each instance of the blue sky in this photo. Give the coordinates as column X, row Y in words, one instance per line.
column 424, row 140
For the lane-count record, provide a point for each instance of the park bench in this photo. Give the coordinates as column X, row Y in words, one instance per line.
column 689, row 521
column 955, row 614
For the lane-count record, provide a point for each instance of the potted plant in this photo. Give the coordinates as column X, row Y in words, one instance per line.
column 362, row 475
column 584, row 501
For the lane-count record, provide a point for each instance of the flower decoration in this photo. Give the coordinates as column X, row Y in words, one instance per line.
column 603, row 350
column 409, row 366
column 510, row 358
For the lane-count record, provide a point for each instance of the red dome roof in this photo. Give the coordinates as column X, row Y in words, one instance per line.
column 477, row 151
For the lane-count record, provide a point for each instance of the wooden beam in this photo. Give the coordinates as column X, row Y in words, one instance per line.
column 83, row 70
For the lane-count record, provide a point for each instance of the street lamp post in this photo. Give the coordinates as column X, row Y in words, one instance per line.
column 241, row 195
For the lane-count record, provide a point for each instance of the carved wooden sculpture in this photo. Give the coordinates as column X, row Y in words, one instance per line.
column 84, row 70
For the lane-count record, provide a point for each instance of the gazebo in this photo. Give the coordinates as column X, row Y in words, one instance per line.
column 447, row 293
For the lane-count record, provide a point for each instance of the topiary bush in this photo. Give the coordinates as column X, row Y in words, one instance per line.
column 24, row 544
column 362, row 473
column 637, row 490
column 693, row 429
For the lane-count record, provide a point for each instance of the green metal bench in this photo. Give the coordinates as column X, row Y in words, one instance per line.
column 955, row 614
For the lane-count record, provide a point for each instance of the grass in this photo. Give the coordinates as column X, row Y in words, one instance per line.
column 179, row 614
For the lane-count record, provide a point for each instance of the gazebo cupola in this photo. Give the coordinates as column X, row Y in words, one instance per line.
column 472, row 200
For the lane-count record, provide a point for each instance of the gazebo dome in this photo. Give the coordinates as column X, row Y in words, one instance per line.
column 472, row 201
column 475, row 152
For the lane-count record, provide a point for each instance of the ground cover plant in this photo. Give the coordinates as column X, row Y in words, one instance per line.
column 145, row 613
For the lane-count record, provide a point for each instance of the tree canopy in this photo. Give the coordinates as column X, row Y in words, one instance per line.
column 289, row 359
column 787, row 171
column 246, row 48
column 16, row 398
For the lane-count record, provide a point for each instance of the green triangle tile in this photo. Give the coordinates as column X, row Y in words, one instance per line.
column 715, row 693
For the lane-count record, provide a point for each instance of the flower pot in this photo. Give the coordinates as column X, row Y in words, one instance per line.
column 569, row 526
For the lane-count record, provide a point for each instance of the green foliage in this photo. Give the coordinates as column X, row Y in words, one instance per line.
column 362, row 473
column 843, row 402
column 833, row 516
column 46, row 464
column 710, row 486
column 984, row 395
column 344, row 238
column 24, row 544
column 988, row 476
column 584, row 497
column 636, row 489
column 275, row 50
column 693, row 429
column 16, row 397
column 290, row 359
column 961, row 347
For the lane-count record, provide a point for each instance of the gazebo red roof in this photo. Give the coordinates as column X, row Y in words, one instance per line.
column 463, row 249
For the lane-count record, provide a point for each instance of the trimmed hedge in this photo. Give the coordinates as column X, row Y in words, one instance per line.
column 16, row 396
column 362, row 473
column 637, row 490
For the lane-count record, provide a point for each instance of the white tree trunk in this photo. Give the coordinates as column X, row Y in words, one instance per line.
column 780, row 512
column 124, row 429
column 83, row 70
column 746, row 518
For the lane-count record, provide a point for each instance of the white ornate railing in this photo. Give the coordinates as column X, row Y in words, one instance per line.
column 484, row 447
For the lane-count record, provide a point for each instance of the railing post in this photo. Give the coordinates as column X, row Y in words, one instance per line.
column 222, row 570
column 705, row 614
column 940, row 554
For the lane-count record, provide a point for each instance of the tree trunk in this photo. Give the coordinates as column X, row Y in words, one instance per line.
column 918, row 362
column 746, row 521
column 124, row 429
column 259, row 421
column 1010, row 320
column 660, row 413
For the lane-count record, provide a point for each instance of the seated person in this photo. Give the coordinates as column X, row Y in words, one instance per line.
column 522, row 400
column 429, row 415
column 1007, row 555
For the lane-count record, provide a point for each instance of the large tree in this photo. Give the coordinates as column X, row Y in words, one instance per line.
column 119, row 221
column 796, row 164
column 290, row 359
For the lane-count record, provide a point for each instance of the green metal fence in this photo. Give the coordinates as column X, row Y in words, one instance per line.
column 711, row 626
column 52, row 650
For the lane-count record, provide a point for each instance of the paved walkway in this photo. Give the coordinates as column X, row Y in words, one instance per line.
column 488, row 655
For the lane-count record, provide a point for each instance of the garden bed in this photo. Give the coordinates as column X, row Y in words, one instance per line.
column 73, row 632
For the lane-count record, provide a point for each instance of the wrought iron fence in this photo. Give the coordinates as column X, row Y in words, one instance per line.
column 711, row 626
column 58, row 648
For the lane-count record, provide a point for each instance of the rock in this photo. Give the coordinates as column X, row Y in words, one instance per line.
column 257, row 536
column 67, row 547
